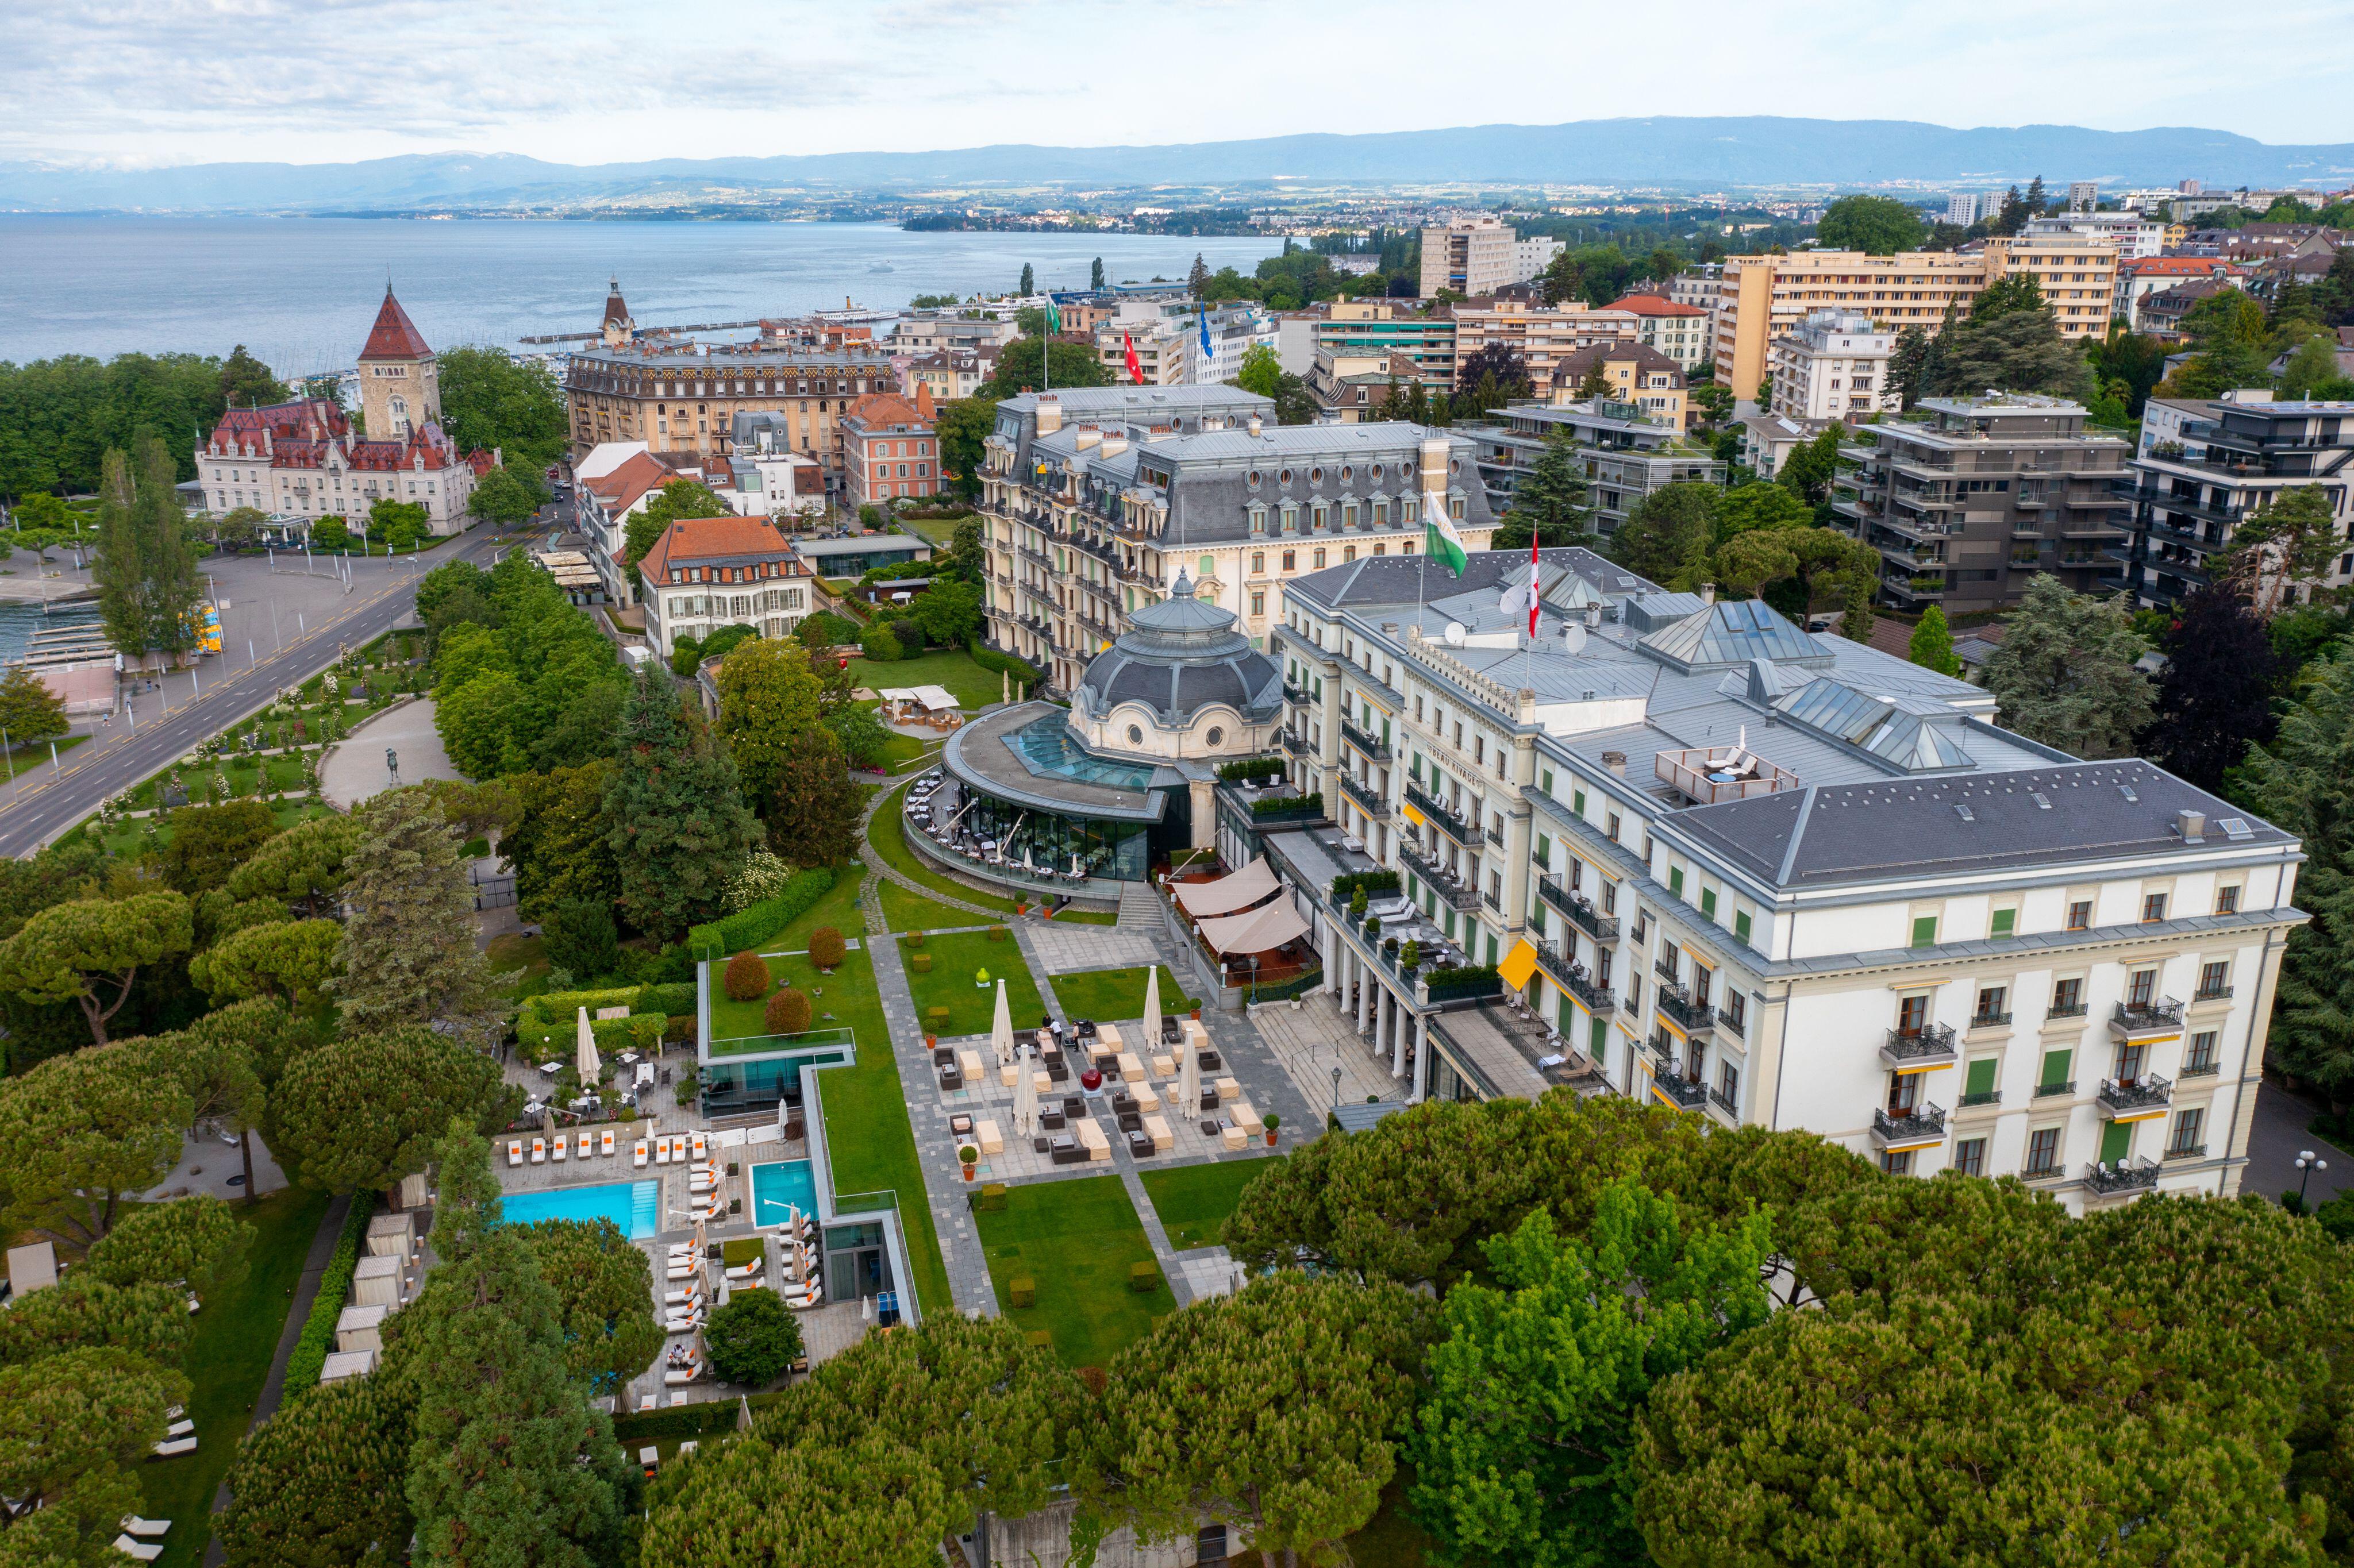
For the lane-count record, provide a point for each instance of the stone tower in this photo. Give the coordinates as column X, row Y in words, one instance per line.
column 400, row 383
column 617, row 328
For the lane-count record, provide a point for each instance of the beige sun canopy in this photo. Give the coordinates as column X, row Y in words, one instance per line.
column 1228, row 893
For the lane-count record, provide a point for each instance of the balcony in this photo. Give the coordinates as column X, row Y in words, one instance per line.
column 2137, row 1101
column 1716, row 1097
column 2066, row 1009
column 1363, row 798
column 1710, row 774
column 2140, row 1176
column 1990, row 1020
column 2211, row 993
column 1577, row 909
column 1439, row 817
column 1982, row 1098
column 2059, row 1087
column 1916, row 1128
column 1374, row 747
column 1725, row 1019
column 1918, row 1051
column 1292, row 694
column 1678, row 1090
column 2200, row 1069
column 2142, row 1020
column 1295, row 745
column 1493, row 902
column 1679, row 1009
column 1442, row 880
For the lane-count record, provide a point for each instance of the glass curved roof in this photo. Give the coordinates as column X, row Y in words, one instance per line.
column 1047, row 747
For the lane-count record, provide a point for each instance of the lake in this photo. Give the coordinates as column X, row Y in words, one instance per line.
column 300, row 292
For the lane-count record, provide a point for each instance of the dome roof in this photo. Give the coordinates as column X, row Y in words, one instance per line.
column 1183, row 656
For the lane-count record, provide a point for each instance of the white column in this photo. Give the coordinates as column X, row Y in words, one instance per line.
column 1385, row 1019
column 1331, row 961
column 1421, row 1061
column 1364, row 996
column 1397, row 1044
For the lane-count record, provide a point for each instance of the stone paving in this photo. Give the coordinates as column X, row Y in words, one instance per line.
column 1315, row 1038
column 1058, row 949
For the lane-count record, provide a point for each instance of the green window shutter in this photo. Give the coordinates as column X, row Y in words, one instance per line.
column 1676, row 880
column 1708, row 902
column 1981, row 1079
column 1536, row 919
column 1450, row 925
column 1741, row 925
column 1546, row 783
column 1568, row 1017
column 2116, row 1141
column 1598, row 1040
column 1925, row 931
column 1544, row 853
column 1578, row 802
column 2005, row 921
column 1492, row 952
column 2055, row 1066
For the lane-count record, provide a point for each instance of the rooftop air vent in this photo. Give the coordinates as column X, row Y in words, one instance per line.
column 2191, row 825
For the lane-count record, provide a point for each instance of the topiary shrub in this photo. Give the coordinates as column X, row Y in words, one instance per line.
column 825, row 947
column 788, row 1011
column 754, row 1339
column 878, row 643
column 746, row 979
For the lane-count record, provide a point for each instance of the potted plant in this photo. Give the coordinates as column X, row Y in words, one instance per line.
column 1272, row 1123
column 968, row 1156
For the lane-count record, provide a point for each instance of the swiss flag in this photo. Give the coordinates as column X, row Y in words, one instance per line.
column 1134, row 370
column 1536, row 568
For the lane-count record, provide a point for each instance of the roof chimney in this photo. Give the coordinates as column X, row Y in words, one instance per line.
column 1615, row 761
column 1050, row 413
column 1256, row 427
column 1708, row 593
column 2192, row 825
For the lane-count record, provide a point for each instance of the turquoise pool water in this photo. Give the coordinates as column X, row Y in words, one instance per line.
column 634, row 1206
column 778, row 1183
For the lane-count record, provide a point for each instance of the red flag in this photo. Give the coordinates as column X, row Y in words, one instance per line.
column 1134, row 370
column 1535, row 566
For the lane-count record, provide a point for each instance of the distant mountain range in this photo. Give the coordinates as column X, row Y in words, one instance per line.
column 1697, row 153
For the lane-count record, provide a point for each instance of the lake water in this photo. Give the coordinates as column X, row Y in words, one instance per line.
column 301, row 292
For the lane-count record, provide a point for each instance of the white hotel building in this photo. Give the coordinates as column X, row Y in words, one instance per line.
column 1767, row 876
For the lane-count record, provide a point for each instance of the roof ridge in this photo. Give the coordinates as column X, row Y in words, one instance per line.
column 1797, row 833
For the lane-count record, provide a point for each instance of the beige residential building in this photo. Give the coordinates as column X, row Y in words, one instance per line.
column 1835, row 366
column 1765, row 297
column 1679, row 331
column 1545, row 336
column 1473, row 259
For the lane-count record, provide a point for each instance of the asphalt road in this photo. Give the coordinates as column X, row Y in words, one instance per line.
column 121, row 758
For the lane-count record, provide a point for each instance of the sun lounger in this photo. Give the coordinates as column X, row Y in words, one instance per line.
column 702, row 1149
column 144, row 1551
column 683, row 1270
column 637, row 1155
column 514, row 1152
column 145, row 1529
column 175, row 1447
column 662, row 1150
column 606, row 1143
column 561, row 1143
column 538, row 1150
column 180, row 1428
column 582, row 1152
column 679, row 1376
column 744, row 1270
column 682, row 1323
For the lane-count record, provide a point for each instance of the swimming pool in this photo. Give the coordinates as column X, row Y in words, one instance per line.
column 778, row 1183
column 634, row 1206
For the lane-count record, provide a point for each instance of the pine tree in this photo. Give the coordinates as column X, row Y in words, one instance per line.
column 1932, row 647
column 1096, row 274
column 2037, row 202
column 2214, row 700
column 322, row 1483
column 407, row 950
column 1197, row 282
column 145, row 564
column 1029, row 282
column 1548, row 503
column 674, row 812
column 2065, row 675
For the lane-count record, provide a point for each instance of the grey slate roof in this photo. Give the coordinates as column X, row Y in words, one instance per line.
column 1863, row 832
column 1181, row 656
column 1407, row 580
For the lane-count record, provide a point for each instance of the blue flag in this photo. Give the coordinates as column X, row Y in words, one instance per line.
column 1208, row 355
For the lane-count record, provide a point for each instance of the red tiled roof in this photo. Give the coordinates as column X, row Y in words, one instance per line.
column 1653, row 305
column 884, row 410
column 693, row 539
column 394, row 336
column 622, row 485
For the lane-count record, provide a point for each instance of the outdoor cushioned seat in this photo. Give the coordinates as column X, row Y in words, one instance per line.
column 1146, row 1100
column 1130, row 1066
column 1245, row 1118
column 969, row 1060
column 1236, row 1139
column 991, row 1140
column 1108, row 1034
column 1229, row 1090
column 1140, row 1146
column 1164, row 1065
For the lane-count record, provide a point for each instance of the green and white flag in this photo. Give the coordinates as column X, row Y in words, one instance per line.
column 1440, row 540
column 1053, row 318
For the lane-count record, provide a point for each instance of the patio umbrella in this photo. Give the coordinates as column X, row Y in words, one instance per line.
column 1000, row 1032
column 585, row 1055
column 1025, row 1095
column 1152, row 1007
column 1075, row 866
column 1189, row 1078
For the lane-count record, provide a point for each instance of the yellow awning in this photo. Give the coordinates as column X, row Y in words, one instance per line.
column 1412, row 815
column 1518, row 964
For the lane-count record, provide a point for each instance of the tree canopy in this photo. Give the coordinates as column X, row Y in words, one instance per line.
column 2064, row 673
column 496, row 402
column 361, row 1112
column 1877, row 226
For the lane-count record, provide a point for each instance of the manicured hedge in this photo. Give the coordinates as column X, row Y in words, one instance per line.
column 751, row 926
column 672, row 1000
column 309, row 1353
column 705, row 1418
column 989, row 658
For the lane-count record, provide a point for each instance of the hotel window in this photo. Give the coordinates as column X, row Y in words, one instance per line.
column 2227, row 900
column 1258, row 604
column 1728, row 1085
column 2214, row 980
column 1896, row 1162
column 2080, row 914
column 1348, row 514
column 2153, row 906
column 1290, row 518
column 1969, row 1156
column 2068, row 997
column 2043, row 1151
column 1348, row 554
column 1381, row 513
column 2188, row 1141
column 1258, row 519
column 1258, row 562
column 2142, row 989
column 1290, row 560
column 2200, row 1057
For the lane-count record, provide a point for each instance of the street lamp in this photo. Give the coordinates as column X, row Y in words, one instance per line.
column 1336, row 1090
column 2306, row 1164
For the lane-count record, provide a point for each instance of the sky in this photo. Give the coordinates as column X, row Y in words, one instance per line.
column 149, row 83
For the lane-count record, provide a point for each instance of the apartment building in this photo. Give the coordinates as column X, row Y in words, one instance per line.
column 2136, row 237
column 1834, row 366
column 931, row 332
column 889, row 449
column 1969, row 498
column 705, row 573
column 1679, row 331
column 1425, row 335
column 1765, row 297
column 1623, row 372
column 2138, row 280
column 762, row 475
column 949, row 375
column 1766, row 877
column 1471, row 259
column 1625, row 455
column 1099, row 498
column 1352, row 388
column 1962, row 211
column 612, row 484
column 2204, row 467
column 1531, row 256
column 1543, row 335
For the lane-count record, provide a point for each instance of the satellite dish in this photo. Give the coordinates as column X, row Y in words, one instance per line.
column 1572, row 638
column 1454, row 634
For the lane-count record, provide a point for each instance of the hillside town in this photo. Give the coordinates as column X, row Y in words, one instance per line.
column 1544, row 883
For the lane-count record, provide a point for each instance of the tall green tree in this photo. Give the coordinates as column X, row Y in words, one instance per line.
column 407, row 952
column 247, row 382
column 288, row 960
column 754, row 1339
column 1030, row 280
column 815, row 810
column 1020, row 363
column 360, row 1113
column 1932, row 647
column 2011, row 351
column 507, row 496
column 1877, row 226
column 30, row 711
column 497, row 403
column 1548, row 501
column 145, row 566
column 1811, row 467
column 768, row 702
column 304, row 866
column 561, row 848
column 1522, row 1450
column 680, row 499
column 2214, row 698
column 90, row 952
column 604, row 1299
column 674, row 812
column 322, row 1483
column 1261, row 370
column 962, row 425
column 195, row 1240
column 79, row 1134
column 1670, row 533
column 71, row 1427
column 209, row 842
column 2064, row 673
column 2282, row 553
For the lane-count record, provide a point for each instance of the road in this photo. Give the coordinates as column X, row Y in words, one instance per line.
column 120, row 758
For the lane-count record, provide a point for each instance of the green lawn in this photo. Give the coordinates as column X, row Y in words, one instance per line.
column 1089, row 917
column 1075, row 1240
column 228, row 1359
column 1194, row 1201
column 973, row 686
column 889, row 837
column 32, row 753
column 131, row 838
column 906, row 911
column 973, row 1009
column 939, row 532
column 839, row 908
column 1114, row 996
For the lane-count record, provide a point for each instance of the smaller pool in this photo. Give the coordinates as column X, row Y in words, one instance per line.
column 632, row 1206
column 781, row 1183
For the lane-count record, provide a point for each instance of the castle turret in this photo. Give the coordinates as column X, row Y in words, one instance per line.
column 401, row 385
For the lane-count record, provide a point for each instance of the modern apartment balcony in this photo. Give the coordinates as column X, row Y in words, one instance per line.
column 1919, row 1050
column 1920, row 1128
column 1672, row 1087
column 1439, row 817
column 2122, row 1177
column 1577, row 909
column 1456, row 894
column 1295, row 745
column 2139, row 1100
column 1372, row 745
column 1676, row 1005
column 1365, row 800
column 2147, row 1019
